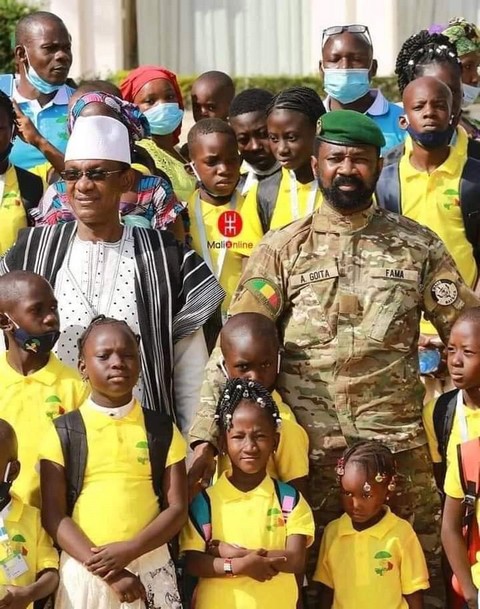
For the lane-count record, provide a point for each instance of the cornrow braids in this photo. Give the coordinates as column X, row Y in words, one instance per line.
column 237, row 390
column 6, row 104
column 299, row 99
column 420, row 50
column 376, row 459
column 102, row 320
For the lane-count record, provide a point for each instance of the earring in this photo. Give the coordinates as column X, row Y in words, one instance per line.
column 366, row 487
column 379, row 478
column 392, row 485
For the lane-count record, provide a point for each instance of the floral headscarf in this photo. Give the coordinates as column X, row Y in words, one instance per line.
column 129, row 114
column 464, row 35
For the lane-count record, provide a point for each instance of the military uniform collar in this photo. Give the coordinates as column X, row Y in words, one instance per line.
column 328, row 219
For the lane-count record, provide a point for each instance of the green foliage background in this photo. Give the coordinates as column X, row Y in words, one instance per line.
column 10, row 12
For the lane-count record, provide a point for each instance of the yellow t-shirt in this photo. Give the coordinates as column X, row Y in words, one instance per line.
column 230, row 237
column 290, row 460
column 182, row 183
column 30, row 404
column 43, row 172
column 472, row 416
column 12, row 213
column 261, row 511
column 117, row 500
column 371, row 568
column 28, row 538
column 433, row 200
column 284, row 211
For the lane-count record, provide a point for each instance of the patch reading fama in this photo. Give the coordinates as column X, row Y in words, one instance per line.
column 444, row 292
column 266, row 292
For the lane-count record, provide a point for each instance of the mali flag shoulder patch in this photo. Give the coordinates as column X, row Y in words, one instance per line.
column 266, row 292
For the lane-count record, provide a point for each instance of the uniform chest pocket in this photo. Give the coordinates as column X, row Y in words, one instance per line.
column 392, row 313
column 312, row 321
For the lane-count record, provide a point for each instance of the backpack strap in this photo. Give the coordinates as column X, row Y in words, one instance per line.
column 200, row 513
column 443, row 415
column 267, row 194
column 159, row 429
column 73, row 439
column 288, row 497
column 388, row 192
column 470, row 203
column 468, row 454
column 30, row 187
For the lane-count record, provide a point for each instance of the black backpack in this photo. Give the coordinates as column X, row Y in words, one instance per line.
column 388, row 194
column 267, row 193
column 73, row 438
column 443, row 415
column 30, row 187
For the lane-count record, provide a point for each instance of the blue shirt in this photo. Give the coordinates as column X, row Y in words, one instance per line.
column 386, row 115
column 51, row 122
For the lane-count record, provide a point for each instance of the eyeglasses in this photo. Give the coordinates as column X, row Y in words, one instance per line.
column 351, row 29
column 95, row 175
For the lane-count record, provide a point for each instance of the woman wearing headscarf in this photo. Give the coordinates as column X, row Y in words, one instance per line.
column 150, row 203
column 466, row 38
column 155, row 91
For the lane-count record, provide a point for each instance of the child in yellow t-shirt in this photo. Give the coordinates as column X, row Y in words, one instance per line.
column 292, row 118
column 251, row 350
column 106, row 516
column 461, row 410
column 254, row 565
column 221, row 233
column 35, row 387
column 369, row 558
column 28, row 560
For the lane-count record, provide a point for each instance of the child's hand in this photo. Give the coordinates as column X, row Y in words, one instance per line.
column 128, row 587
column 16, row 598
column 221, row 549
column 257, row 566
column 110, row 559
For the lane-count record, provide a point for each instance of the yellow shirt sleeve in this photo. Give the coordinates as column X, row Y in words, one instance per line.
column 453, row 486
column 323, row 572
column 300, row 521
column 291, row 456
column 427, row 416
column 178, row 448
column 47, row 555
column 414, row 572
column 42, row 172
column 190, row 538
column 51, row 448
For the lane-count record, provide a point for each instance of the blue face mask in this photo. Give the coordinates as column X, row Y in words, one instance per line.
column 34, row 343
column 37, row 81
column 164, row 118
column 432, row 139
column 345, row 85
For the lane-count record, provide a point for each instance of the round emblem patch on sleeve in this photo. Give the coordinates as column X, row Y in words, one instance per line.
column 444, row 292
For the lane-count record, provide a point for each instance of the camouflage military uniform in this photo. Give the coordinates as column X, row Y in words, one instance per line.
column 347, row 293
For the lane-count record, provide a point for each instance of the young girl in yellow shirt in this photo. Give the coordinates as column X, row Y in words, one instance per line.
column 247, row 534
column 114, row 538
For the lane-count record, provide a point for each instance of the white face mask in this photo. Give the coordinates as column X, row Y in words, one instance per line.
column 470, row 94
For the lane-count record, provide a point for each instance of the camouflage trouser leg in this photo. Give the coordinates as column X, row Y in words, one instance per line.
column 415, row 499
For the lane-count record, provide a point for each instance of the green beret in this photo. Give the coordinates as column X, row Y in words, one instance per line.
column 347, row 127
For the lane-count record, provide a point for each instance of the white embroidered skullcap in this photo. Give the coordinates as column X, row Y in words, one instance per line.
column 98, row 137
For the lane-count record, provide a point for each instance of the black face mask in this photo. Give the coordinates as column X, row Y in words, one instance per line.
column 6, row 153
column 432, row 139
column 5, row 487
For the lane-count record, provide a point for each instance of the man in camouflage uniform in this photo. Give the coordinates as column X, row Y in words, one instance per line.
column 347, row 287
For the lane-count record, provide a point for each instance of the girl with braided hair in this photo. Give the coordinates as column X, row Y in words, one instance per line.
column 247, row 524
column 379, row 549
column 292, row 118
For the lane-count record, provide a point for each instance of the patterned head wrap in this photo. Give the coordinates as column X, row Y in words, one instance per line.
column 129, row 114
column 144, row 74
column 465, row 36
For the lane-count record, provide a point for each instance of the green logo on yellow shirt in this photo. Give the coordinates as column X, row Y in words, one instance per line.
column 54, row 407
column 142, row 456
column 454, row 200
column 384, row 564
column 10, row 199
column 274, row 519
column 18, row 546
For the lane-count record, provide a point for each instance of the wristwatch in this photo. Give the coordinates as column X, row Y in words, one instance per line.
column 227, row 566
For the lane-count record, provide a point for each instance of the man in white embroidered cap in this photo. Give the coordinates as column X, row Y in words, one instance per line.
column 97, row 265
